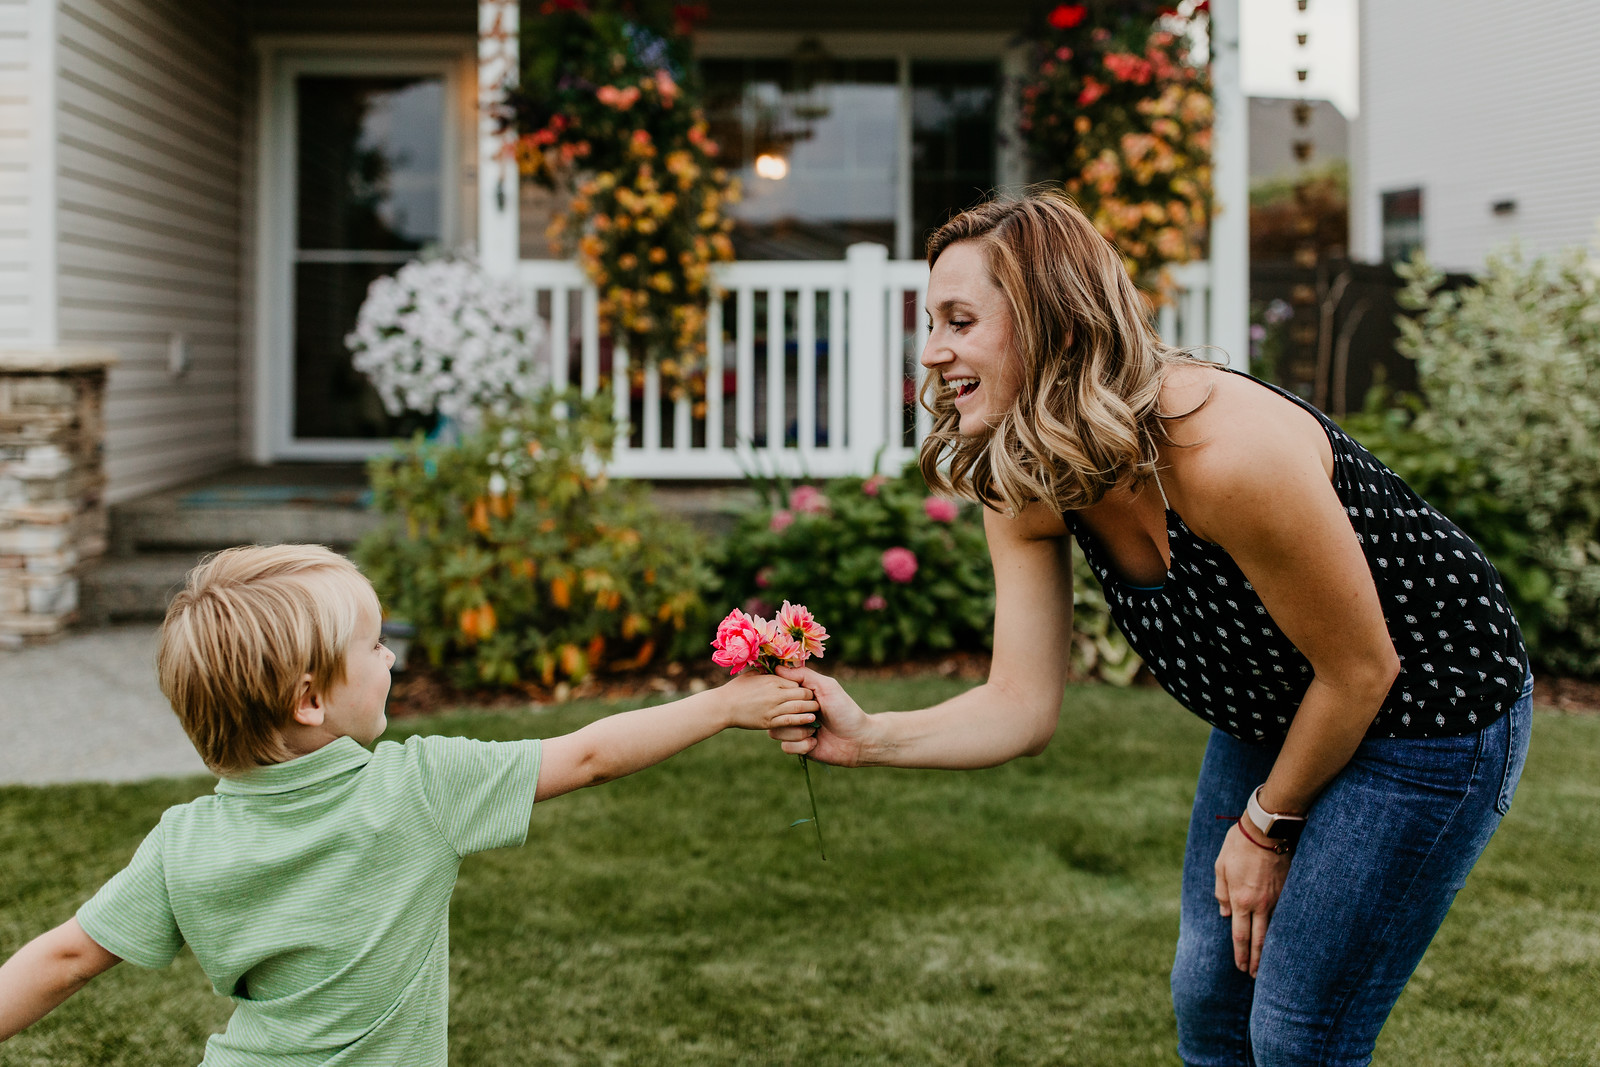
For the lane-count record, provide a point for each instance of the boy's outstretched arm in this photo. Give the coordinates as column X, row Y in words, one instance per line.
column 45, row 972
column 621, row 744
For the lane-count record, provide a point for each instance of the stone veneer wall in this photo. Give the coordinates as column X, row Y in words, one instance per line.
column 52, row 484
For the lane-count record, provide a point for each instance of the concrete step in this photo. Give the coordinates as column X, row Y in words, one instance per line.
column 133, row 588
column 156, row 540
column 166, row 526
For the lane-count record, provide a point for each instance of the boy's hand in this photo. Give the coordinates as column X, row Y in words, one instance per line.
column 757, row 701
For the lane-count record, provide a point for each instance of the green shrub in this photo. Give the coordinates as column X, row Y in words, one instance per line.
column 516, row 562
column 1461, row 488
column 1510, row 370
column 846, row 551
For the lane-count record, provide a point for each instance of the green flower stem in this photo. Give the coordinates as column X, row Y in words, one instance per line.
column 805, row 766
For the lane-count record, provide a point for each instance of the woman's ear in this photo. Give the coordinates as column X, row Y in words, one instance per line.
column 308, row 704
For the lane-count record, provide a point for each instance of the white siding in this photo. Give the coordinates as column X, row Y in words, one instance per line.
column 1475, row 102
column 148, row 180
column 27, row 216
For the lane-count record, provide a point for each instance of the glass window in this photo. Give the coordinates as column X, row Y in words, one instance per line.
column 370, row 179
column 954, row 136
column 815, row 146
column 1402, row 223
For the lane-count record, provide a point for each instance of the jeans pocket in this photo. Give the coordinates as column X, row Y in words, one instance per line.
column 1519, row 723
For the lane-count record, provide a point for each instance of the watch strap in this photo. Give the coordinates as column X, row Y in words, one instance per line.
column 1272, row 825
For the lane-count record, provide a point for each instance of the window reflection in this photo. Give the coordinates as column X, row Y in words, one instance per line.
column 836, row 135
column 370, row 162
column 954, row 135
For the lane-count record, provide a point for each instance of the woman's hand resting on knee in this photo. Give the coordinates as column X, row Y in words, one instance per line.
column 1249, row 881
column 841, row 734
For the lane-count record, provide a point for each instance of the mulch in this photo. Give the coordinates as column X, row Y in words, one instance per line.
column 1576, row 696
column 421, row 691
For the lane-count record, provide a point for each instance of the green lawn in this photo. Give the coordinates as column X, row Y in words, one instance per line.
column 1021, row 915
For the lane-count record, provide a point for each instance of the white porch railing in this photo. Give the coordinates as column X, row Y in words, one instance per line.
column 812, row 366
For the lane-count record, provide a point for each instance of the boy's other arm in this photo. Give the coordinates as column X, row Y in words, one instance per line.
column 45, row 972
column 621, row 744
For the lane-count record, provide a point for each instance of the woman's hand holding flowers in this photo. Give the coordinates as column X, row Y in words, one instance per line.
column 840, row 734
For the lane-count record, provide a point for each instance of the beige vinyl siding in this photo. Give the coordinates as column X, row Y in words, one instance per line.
column 149, row 228
column 363, row 16
column 25, row 276
column 1500, row 105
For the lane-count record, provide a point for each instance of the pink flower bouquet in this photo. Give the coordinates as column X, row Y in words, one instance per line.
column 791, row 638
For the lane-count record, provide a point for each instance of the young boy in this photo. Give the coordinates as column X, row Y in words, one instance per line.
column 314, row 885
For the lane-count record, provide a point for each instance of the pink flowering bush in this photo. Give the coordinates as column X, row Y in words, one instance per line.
column 896, row 573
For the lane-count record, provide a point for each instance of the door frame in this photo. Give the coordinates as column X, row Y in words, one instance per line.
column 280, row 61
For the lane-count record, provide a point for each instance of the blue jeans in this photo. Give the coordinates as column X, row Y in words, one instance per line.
column 1387, row 846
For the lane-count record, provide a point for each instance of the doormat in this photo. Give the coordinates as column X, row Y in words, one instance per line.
column 254, row 496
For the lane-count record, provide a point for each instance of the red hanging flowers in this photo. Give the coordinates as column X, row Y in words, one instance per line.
column 1066, row 16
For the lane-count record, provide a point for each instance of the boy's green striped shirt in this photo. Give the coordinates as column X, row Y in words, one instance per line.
column 316, row 894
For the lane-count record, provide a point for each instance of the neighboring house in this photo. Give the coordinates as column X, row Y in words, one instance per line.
column 1276, row 137
column 1478, row 127
column 208, row 188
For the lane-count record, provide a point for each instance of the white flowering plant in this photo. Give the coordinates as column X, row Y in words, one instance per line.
column 442, row 336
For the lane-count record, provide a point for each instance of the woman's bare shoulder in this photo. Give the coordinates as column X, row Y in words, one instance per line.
column 1036, row 522
column 1215, row 414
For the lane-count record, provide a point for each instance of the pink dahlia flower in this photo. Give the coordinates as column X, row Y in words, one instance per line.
column 784, row 649
column 900, row 564
column 782, row 520
column 808, row 500
column 873, row 484
column 939, row 509
column 874, row 603
column 797, row 621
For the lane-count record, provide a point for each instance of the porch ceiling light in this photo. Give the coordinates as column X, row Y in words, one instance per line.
column 771, row 166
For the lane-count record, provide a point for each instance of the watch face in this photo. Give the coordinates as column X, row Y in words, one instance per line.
column 1285, row 829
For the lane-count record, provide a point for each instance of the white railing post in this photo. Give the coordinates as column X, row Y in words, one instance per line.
column 866, row 348
column 497, row 169
column 1230, row 185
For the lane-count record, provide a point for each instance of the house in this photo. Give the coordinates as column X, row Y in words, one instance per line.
column 1282, row 146
column 1478, row 127
column 207, row 189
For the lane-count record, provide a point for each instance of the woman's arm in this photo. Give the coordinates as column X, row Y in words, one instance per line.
column 45, row 972
column 1014, row 713
column 1257, row 482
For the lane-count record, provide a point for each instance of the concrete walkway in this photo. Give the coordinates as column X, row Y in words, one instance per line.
column 87, row 709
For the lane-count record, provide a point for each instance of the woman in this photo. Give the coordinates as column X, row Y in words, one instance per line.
column 1353, row 650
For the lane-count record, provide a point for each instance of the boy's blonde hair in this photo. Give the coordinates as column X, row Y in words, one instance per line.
column 237, row 642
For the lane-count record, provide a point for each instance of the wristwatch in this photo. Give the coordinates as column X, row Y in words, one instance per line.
column 1284, row 828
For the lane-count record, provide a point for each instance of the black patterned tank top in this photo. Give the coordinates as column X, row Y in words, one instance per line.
column 1212, row 644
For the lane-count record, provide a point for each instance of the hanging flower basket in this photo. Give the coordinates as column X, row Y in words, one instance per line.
column 608, row 111
column 1118, row 109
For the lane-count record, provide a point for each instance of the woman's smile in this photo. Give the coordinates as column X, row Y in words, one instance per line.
column 969, row 337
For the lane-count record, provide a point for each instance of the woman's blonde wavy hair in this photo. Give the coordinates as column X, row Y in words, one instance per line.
column 1086, row 418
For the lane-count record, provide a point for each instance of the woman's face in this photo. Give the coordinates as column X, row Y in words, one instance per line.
column 969, row 337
